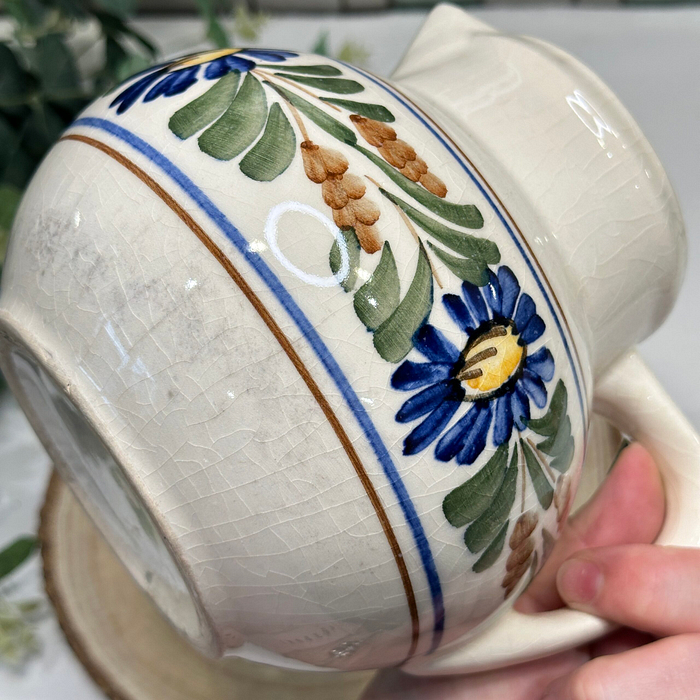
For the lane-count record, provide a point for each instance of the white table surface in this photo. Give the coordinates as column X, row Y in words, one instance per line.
column 650, row 57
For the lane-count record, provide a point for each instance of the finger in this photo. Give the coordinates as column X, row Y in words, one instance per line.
column 522, row 682
column 648, row 587
column 666, row 669
column 619, row 641
column 612, row 517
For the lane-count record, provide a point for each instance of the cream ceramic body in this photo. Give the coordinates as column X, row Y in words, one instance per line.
column 227, row 411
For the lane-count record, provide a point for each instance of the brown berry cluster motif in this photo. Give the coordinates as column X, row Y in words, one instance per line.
column 490, row 383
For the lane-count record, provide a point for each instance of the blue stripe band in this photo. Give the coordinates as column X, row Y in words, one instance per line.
column 314, row 339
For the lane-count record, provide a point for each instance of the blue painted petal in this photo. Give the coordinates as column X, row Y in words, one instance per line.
column 503, row 420
column 534, row 387
column 127, row 97
column 275, row 56
column 542, row 363
column 525, row 311
column 475, row 303
column 419, row 438
column 510, row 290
column 520, row 406
column 412, row 375
column 458, row 311
column 453, row 440
column 425, row 401
column 173, row 84
column 533, row 330
column 492, row 294
column 432, row 344
column 475, row 439
column 218, row 68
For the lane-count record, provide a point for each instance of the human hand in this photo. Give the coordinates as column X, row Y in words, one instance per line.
column 602, row 564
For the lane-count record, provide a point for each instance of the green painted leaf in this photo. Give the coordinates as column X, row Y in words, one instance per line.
column 335, row 260
column 15, row 554
column 492, row 552
column 339, row 86
column 323, row 69
column 379, row 296
column 466, row 215
column 549, row 423
column 488, row 525
column 201, row 112
column 468, row 501
column 239, row 125
column 483, row 251
column 378, row 112
column 463, row 268
column 394, row 338
column 275, row 150
column 318, row 116
column 560, row 447
column 543, row 489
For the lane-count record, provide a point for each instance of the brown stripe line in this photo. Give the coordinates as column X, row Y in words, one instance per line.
column 288, row 348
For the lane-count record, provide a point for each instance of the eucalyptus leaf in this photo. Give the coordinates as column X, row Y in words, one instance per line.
column 16, row 85
column 275, row 150
column 543, row 489
column 467, row 215
column 379, row 296
column 322, row 70
column 372, row 111
column 352, row 245
column 488, row 525
column 9, row 201
column 15, row 554
column 239, row 125
column 492, row 552
column 393, row 340
column 201, row 112
column 115, row 26
column 318, row 116
column 58, row 75
column 339, row 86
column 468, row 501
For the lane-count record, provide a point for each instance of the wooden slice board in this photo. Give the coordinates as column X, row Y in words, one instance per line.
column 125, row 643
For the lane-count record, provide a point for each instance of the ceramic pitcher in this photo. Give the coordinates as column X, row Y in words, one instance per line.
column 318, row 351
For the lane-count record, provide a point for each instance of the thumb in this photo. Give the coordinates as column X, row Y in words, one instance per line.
column 647, row 587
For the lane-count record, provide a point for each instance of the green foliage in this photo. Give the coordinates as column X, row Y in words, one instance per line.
column 239, row 125
column 275, row 150
column 468, row 501
column 379, row 296
column 339, row 86
column 15, row 554
column 393, row 339
column 466, row 215
column 349, row 52
column 372, row 111
column 543, row 489
column 335, row 260
column 555, row 426
column 492, row 552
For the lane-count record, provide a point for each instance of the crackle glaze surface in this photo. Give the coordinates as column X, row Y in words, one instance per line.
column 317, row 342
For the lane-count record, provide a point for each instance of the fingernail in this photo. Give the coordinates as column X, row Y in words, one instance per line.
column 579, row 581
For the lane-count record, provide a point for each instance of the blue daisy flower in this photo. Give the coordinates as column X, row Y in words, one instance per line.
column 497, row 375
column 175, row 78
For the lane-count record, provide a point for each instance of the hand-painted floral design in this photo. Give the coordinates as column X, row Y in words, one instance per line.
column 264, row 111
column 496, row 375
column 176, row 77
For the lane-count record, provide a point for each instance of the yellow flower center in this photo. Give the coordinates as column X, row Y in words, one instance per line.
column 199, row 58
column 490, row 360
